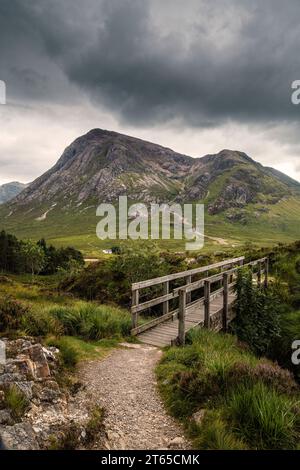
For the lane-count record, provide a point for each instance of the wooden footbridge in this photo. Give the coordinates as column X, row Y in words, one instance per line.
column 198, row 297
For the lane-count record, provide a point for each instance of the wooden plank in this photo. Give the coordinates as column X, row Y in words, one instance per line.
column 153, row 302
column 181, row 317
column 157, row 335
column 188, row 280
column 166, row 286
column 151, row 323
column 153, row 342
column 259, row 274
column 135, row 301
column 225, row 302
column 156, row 321
column 216, row 277
column 206, row 304
column 183, row 274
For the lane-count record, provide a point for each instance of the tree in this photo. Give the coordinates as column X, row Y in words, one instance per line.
column 34, row 257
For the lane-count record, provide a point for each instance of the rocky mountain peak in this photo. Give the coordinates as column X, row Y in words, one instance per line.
column 102, row 165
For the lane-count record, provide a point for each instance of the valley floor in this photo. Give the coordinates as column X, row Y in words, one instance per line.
column 124, row 384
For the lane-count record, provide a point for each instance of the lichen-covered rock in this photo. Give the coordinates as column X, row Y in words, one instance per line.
column 5, row 417
column 20, row 436
column 23, row 365
column 50, row 411
column 38, row 356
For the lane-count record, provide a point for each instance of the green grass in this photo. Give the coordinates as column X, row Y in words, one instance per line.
column 15, row 401
column 53, row 312
column 91, row 321
column 85, row 350
column 263, row 417
column 77, row 228
column 248, row 403
column 81, row 330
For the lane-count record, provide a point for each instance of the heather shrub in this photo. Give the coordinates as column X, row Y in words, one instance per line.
column 247, row 402
column 12, row 313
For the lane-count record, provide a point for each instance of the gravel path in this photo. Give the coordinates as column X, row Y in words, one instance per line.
column 124, row 384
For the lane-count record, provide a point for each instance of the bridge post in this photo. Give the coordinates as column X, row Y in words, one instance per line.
column 225, row 302
column 165, row 292
column 259, row 273
column 266, row 272
column 181, row 317
column 134, row 302
column 188, row 280
column 206, row 304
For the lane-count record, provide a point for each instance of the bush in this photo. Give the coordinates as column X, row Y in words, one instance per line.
column 69, row 438
column 15, row 401
column 265, row 419
column 199, row 371
column 110, row 280
column 93, row 322
column 214, row 373
column 215, row 435
column 41, row 323
column 264, row 372
column 95, row 423
column 258, row 311
column 290, row 331
column 12, row 313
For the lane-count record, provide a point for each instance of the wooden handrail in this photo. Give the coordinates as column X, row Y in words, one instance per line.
column 188, row 289
column 217, row 277
column 184, row 274
column 226, row 286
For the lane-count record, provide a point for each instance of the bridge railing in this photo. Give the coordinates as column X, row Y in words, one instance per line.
column 169, row 293
column 228, row 282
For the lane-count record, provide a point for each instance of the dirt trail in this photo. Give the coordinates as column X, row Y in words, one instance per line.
column 124, row 384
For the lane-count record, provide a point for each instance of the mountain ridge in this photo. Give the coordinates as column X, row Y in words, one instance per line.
column 107, row 155
column 10, row 190
column 102, row 165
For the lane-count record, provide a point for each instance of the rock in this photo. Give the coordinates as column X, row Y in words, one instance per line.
column 37, row 355
column 8, row 378
column 23, row 365
column 116, row 440
column 51, row 353
column 15, row 347
column 177, row 443
column 50, row 392
column 112, row 436
column 199, row 416
column 49, row 410
column 25, row 388
column 20, row 436
column 5, row 417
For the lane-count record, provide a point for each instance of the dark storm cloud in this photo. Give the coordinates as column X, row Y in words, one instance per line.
column 149, row 61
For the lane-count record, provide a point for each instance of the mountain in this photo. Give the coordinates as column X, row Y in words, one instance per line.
column 10, row 190
column 239, row 193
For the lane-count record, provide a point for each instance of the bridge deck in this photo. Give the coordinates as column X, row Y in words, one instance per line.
column 164, row 333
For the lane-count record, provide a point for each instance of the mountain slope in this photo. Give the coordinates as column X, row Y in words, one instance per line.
column 10, row 190
column 239, row 194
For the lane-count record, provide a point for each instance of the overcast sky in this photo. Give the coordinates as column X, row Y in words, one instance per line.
column 197, row 76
